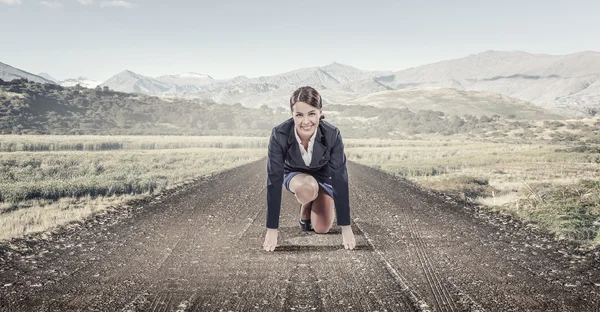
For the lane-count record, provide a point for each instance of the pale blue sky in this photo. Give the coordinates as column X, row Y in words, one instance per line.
column 227, row 38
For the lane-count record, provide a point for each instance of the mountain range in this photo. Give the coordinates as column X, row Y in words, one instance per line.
column 564, row 84
column 336, row 82
column 561, row 83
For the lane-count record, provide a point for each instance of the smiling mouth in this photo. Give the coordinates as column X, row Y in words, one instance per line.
column 307, row 128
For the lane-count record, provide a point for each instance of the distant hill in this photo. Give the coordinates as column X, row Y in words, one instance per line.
column 566, row 84
column 8, row 73
column 455, row 102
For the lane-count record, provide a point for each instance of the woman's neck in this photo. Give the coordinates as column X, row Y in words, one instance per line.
column 305, row 140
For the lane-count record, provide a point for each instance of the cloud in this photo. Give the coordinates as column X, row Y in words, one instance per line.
column 10, row 2
column 118, row 3
column 50, row 4
column 85, row 2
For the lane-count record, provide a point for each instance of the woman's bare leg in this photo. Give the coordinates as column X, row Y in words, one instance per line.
column 322, row 212
column 305, row 188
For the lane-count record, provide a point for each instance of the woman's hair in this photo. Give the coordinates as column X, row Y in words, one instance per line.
column 309, row 96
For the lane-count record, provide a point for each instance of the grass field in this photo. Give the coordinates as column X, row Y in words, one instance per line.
column 50, row 180
column 39, row 190
column 544, row 184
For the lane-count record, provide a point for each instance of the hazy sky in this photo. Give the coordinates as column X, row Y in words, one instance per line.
column 225, row 38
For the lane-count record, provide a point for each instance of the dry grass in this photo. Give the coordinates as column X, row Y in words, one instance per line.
column 499, row 175
column 40, row 190
column 41, row 215
column 13, row 143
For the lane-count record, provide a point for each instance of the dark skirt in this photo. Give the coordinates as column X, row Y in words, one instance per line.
column 288, row 177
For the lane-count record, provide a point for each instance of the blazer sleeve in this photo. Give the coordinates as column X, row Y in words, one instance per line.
column 275, row 159
column 339, row 177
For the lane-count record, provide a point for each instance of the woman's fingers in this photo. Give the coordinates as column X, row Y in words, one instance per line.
column 270, row 241
column 269, row 246
column 348, row 240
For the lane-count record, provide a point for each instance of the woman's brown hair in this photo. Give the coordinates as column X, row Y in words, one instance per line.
column 309, row 96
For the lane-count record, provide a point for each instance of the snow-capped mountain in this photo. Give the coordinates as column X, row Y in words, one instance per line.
column 186, row 79
column 71, row 82
column 82, row 81
column 8, row 73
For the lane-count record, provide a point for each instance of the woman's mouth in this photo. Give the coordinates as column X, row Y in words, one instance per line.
column 307, row 128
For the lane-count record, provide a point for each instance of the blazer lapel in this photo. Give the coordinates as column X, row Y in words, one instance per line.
column 294, row 153
column 319, row 147
column 295, row 157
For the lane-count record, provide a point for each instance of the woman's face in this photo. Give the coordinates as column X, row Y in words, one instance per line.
column 306, row 118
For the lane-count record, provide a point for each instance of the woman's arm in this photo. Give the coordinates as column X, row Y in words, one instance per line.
column 339, row 177
column 275, row 158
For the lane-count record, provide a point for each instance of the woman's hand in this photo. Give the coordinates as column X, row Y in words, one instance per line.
column 270, row 240
column 348, row 237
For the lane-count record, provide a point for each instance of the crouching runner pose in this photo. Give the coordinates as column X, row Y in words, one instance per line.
column 307, row 156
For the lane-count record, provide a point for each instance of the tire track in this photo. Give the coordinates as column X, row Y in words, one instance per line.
column 474, row 263
column 363, row 200
column 442, row 296
column 414, row 298
column 156, row 302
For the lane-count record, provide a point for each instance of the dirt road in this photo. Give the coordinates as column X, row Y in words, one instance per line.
column 199, row 248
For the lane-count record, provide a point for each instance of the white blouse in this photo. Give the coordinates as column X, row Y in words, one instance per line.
column 306, row 154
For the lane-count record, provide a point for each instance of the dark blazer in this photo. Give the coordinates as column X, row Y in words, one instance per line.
column 328, row 165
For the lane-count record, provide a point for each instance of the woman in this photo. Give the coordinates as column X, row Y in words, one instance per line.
column 307, row 156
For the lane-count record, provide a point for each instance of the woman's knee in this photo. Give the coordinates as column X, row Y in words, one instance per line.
column 323, row 224
column 308, row 187
column 307, row 190
column 319, row 229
